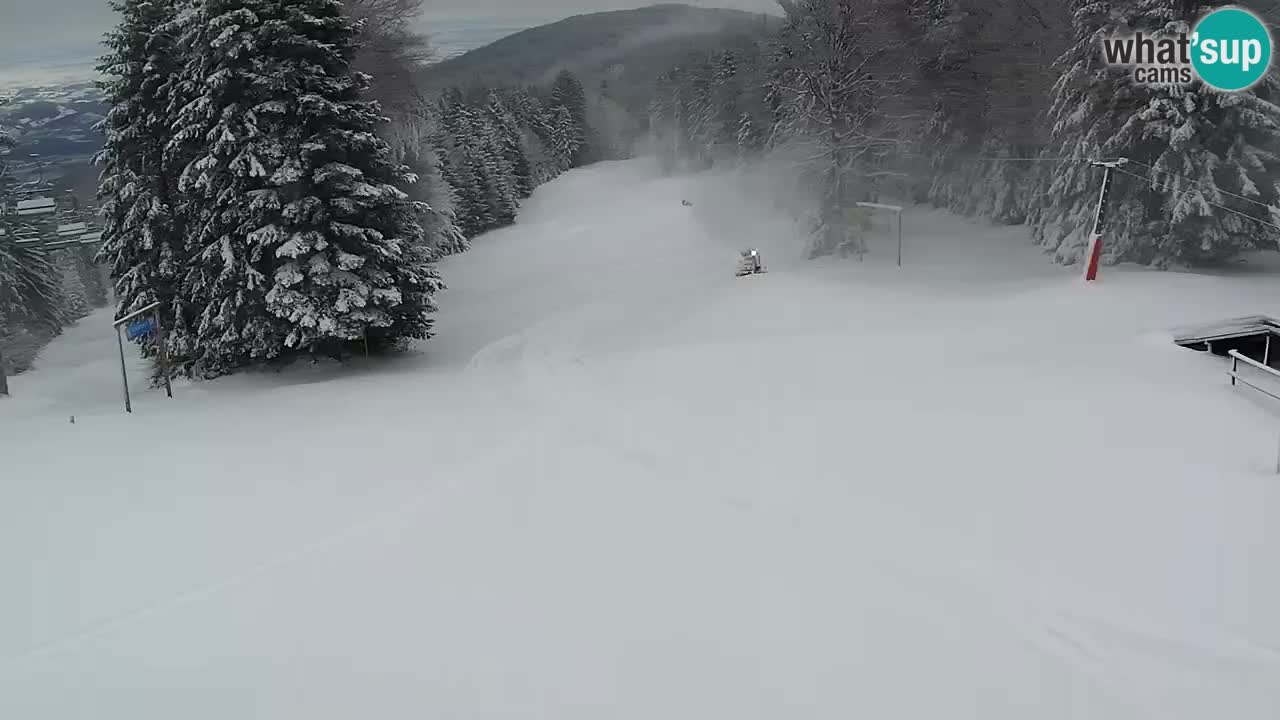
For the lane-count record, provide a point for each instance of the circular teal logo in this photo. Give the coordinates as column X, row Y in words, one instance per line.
column 1231, row 49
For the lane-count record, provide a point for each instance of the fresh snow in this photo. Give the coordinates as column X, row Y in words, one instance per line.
column 622, row 483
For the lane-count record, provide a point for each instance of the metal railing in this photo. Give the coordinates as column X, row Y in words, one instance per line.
column 1236, row 377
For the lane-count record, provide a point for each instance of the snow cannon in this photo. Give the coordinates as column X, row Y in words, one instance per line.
column 749, row 263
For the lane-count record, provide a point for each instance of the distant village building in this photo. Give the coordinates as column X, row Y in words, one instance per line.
column 39, row 206
column 39, row 221
column 69, row 229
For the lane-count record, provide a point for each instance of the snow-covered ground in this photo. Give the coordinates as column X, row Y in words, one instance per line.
column 623, row 484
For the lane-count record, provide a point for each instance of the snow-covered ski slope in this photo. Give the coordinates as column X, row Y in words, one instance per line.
column 623, row 484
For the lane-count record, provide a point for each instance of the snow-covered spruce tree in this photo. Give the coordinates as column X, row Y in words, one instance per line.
column 481, row 183
column 303, row 242
column 950, row 41
column 665, row 124
column 834, row 73
column 510, row 144
column 985, row 67
column 72, row 295
column 567, row 93
column 566, row 137
column 614, row 128
column 97, row 292
column 144, row 245
column 1022, row 74
column 455, row 168
column 415, row 142
column 1195, row 148
column 724, row 114
column 535, row 126
column 699, row 111
column 31, row 309
column 758, row 106
column 495, row 169
column 138, row 239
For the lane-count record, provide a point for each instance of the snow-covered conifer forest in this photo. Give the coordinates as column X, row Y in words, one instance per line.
column 988, row 108
column 286, row 207
column 259, row 190
column 41, row 290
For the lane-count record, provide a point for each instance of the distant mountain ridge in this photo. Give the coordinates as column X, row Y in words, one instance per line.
column 452, row 38
column 628, row 48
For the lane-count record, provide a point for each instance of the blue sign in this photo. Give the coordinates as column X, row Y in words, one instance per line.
column 140, row 328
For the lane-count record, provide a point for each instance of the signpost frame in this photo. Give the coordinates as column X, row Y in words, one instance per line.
column 152, row 325
column 897, row 211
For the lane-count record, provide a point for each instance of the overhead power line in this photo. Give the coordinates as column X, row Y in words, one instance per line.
column 1030, row 159
column 1155, row 185
column 1205, row 185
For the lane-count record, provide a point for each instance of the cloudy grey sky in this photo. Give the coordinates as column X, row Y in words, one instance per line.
column 36, row 31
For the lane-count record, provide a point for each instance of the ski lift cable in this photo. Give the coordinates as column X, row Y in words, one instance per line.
column 1208, row 202
column 1205, row 185
column 1003, row 158
column 1031, row 159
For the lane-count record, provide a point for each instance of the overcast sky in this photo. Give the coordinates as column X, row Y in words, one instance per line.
column 51, row 30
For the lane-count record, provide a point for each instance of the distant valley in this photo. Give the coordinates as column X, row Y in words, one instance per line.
column 452, row 38
column 51, row 108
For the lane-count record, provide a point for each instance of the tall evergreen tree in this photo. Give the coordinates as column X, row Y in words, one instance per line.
column 567, row 92
column 303, row 241
column 566, row 137
column 91, row 277
column 495, row 145
column 142, row 240
column 417, row 142
column 834, row 62
column 1206, row 160
column 666, row 130
column 72, row 296
column 510, row 144
column 454, row 166
column 612, row 125
column 30, row 292
column 31, row 307
column 496, row 170
column 534, row 120
column 984, row 70
column 724, row 114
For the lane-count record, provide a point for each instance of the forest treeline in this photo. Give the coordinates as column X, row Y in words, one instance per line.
column 276, row 177
column 42, row 290
column 991, row 108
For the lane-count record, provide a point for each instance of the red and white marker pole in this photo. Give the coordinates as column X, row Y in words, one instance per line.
column 1095, row 240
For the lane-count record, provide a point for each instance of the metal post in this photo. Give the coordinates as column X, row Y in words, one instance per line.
column 164, row 354
column 1235, row 366
column 4, row 379
column 1095, row 239
column 899, row 238
column 1266, row 353
column 124, row 372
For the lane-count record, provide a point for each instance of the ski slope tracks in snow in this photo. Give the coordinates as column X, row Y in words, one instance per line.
column 623, row 483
